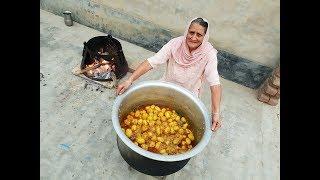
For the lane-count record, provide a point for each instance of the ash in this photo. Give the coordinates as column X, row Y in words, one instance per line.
column 93, row 86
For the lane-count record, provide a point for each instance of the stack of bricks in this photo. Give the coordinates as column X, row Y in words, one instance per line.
column 269, row 92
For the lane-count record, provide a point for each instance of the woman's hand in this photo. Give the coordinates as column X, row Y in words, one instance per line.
column 216, row 123
column 141, row 69
column 123, row 86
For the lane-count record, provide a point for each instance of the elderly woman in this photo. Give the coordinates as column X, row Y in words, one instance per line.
column 190, row 59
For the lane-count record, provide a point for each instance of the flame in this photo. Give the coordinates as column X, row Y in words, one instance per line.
column 102, row 69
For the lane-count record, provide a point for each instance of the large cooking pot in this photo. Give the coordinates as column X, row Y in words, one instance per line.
column 163, row 94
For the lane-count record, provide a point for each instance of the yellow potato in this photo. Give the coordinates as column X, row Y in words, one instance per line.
column 160, row 114
column 157, row 108
column 145, row 122
column 138, row 134
column 162, row 151
column 137, row 113
column 152, row 144
column 144, row 116
column 184, row 126
column 150, row 134
column 144, row 135
column 167, row 130
column 156, row 112
column 154, row 138
column 160, row 139
column 191, row 137
column 183, row 119
column 172, row 131
column 144, row 128
column 134, row 121
column 176, row 128
column 158, row 144
column 149, row 118
column 149, row 110
column 128, row 132
column 155, row 117
column 151, row 123
column 167, row 114
column 184, row 136
column 144, row 146
column 140, row 140
column 127, row 122
column 160, row 128
column 133, row 127
column 176, row 141
column 169, row 150
column 188, row 141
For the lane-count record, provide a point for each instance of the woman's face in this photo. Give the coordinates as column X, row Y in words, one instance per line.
column 195, row 36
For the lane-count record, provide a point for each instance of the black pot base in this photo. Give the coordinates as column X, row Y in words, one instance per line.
column 148, row 166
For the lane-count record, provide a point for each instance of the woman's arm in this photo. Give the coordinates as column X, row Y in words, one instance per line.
column 142, row 69
column 159, row 58
column 215, row 106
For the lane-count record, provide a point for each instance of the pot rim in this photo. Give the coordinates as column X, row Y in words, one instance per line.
column 194, row 151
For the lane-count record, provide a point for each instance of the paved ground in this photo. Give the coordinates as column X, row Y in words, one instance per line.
column 77, row 140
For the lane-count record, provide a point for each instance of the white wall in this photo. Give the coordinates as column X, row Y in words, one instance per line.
column 247, row 28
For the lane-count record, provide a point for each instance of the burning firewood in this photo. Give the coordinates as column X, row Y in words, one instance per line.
column 103, row 71
column 96, row 67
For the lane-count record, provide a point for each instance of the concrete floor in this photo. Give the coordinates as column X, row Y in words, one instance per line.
column 77, row 140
